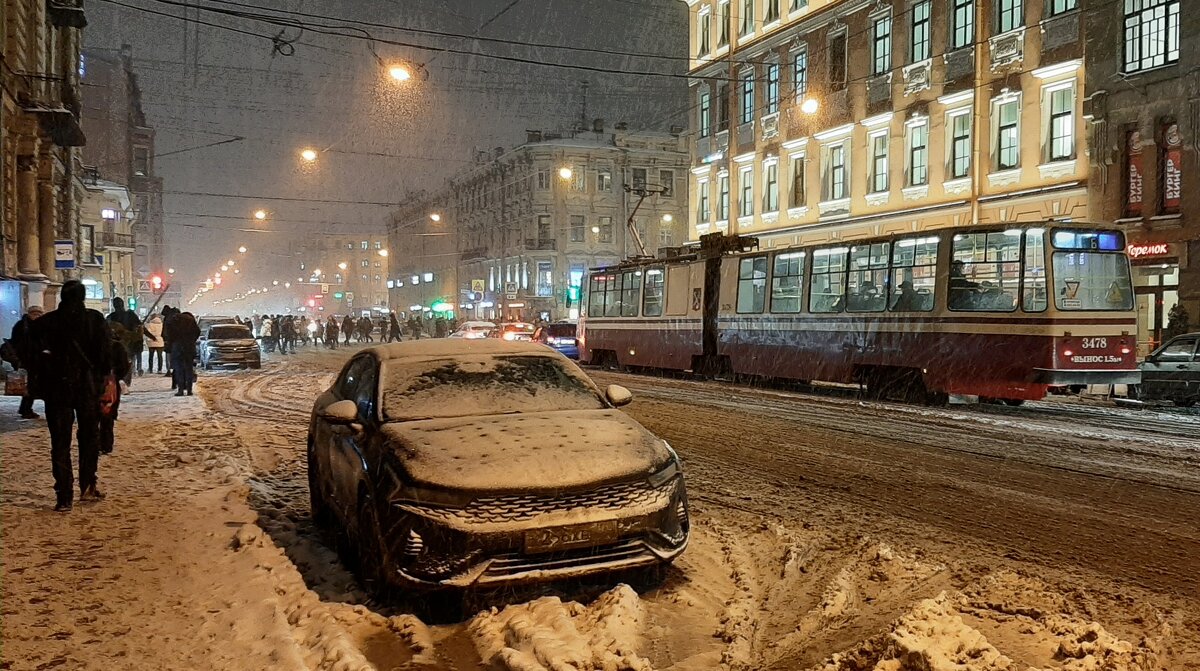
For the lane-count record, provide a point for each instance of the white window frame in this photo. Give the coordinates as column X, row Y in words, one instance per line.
column 1048, row 91
column 910, row 155
column 723, row 197
column 770, row 187
column 746, row 191
column 1015, row 8
column 1134, row 23
column 723, row 24
column 952, row 116
column 802, row 157
column 748, row 18
column 881, row 45
column 771, row 86
column 746, row 95
column 800, row 84
column 873, row 185
column 1013, row 98
column 962, row 23
column 704, row 32
column 927, row 43
column 703, row 201
column 828, row 184
column 705, row 112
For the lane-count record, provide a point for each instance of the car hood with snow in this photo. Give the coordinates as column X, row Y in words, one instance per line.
column 525, row 451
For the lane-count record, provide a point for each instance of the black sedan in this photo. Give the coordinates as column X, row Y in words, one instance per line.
column 458, row 463
column 1172, row 372
column 229, row 345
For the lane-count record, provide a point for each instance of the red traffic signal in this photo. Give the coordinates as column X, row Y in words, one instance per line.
column 312, row 303
column 156, row 282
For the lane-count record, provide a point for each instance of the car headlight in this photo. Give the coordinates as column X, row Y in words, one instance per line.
column 666, row 474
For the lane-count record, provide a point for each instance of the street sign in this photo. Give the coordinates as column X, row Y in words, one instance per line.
column 510, row 297
column 478, row 286
column 64, row 254
column 324, row 288
column 350, row 296
column 510, row 287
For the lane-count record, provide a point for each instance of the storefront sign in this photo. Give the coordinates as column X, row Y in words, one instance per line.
column 1133, row 184
column 1172, row 168
column 1148, row 250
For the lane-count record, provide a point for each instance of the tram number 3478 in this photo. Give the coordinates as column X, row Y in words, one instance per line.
column 1095, row 343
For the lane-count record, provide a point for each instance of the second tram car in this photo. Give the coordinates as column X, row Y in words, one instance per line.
column 995, row 312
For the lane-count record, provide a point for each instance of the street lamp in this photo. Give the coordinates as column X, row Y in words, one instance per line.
column 229, row 263
column 170, row 271
column 342, row 265
column 399, row 73
column 810, row 106
column 383, row 252
column 565, row 172
column 435, row 216
column 668, row 218
column 309, row 155
column 260, row 214
column 241, row 250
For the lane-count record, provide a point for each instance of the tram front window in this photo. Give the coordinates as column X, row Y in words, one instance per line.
column 1092, row 281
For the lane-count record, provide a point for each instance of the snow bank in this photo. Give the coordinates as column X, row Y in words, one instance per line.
column 549, row 635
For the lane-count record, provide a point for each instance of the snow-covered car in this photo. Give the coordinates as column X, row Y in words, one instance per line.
column 458, row 463
column 229, row 345
column 559, row 336
column 473, row 330
column 514, row 331
column 1172, row 372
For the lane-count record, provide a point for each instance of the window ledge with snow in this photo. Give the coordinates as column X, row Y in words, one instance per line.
column 797, row 212
column 769, row 217
column 918, row 192
column 878, row 198
column 1004, row 177
column 839, row 206
column 745, row 222
column 1057, row 169
column 956, row 186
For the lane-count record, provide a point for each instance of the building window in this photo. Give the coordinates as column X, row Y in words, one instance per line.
column 1010, row 15
column 1008, row 138
column 723, row 198
column 365, row 245
column 879, row 162
column 962, row 21
column 141, row 161
column 365, row 263
column 920, row 32
column 918, row 154
column 577, row 223
column 772, row 11
column 665, row 237
column 914, row 274
column 772, row 88
column 960, row 143
column 837, row 62
column 702, row 211
column 722, row 107
column 798, row 197
column 703, row 28
column 1062, row 6
column 543, row 180
column 543, row 228
column 747, row 90
column 746, row 183
column 606, row 229
column 752, row 285
column 881, row 45
column 723, row 26
column 666, row 179
column 639, row 178
column 836, row 186
column 1151, row 33
column 771, row 187
column 705, row 114
column 579, row 180
column 1061, row 129
column 800, row 74
column 604, row 181
column 747, row 17
column 799, row 4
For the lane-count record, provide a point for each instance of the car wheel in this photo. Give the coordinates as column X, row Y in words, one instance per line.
column 372, row 572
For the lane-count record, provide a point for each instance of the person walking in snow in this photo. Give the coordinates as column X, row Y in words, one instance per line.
column 348, row 328
column 110, row 405
column 130, row 331
column 331, row 333
column 71, row 356
column 23, row 355
column 185, row 334
column 154, row 344
column 394, row 329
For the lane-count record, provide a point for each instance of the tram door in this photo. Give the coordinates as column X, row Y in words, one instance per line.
column 712, row 304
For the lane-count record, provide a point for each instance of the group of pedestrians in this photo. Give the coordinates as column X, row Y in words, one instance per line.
column 79, row 362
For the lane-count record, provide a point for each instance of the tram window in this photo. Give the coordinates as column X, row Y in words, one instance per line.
column 1033, row 284
column 652, row 295
column 914, row 274
column 868, row 277
column 985, row 271
column 612, row 296
column 1092, row 281
column 752, row 285
column 597, row 293
column 827, row 287
column 630, row 296
column 787, row 280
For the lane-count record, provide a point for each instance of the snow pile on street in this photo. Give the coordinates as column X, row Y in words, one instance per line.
column 550, row 635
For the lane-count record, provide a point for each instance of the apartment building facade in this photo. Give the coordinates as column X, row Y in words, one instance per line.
column 342, row 273
column 1143, row 104
column 825, row 120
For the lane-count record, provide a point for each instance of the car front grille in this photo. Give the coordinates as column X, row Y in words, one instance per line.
column 523, row 507
column 515, row 564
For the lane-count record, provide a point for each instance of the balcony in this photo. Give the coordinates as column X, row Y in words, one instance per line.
column 543, row 245
column 114, row 241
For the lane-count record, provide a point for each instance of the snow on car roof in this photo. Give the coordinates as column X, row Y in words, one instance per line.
column 451, row 347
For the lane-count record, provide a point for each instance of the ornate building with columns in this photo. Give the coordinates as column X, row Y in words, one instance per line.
column 40, row 182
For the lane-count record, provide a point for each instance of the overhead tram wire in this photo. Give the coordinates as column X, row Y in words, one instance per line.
column 326, row 201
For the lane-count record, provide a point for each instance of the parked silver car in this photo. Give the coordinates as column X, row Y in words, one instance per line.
column 1172, row 372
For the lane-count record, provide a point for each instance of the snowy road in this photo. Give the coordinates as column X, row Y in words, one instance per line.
column 829, row 534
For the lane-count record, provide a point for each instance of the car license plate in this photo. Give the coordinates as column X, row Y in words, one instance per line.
column 554, row 539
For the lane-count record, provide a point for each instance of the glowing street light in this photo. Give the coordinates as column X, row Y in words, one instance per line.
column 342, row 265
column 399, row 73
column 224, row 267
column 170, row 271
column 810, row 106
column 229, row 263
column 383, row 252
column 435, row 216
column 309, row 155
column 242, row 250
column 668, row 218
column 260, row 214
column 275, row 283
column 566, row 172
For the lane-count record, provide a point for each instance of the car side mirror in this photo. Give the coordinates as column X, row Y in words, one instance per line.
column 618, row 395
column 341, row 412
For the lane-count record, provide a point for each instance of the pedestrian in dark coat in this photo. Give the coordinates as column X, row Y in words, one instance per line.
column 331, row 333
column 394, row 329
column 348, row 327
column 185, row 333
column 72, row 354
column 120, row 370
column 131, row 331
column 21, row 341
column 168, row 313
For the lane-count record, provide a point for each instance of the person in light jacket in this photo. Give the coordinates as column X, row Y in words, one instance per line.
column 155, row 345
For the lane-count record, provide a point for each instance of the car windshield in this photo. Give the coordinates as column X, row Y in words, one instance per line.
column 228, row 332
column 483, row 385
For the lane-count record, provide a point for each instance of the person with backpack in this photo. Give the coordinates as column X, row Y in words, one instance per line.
column 184, row 334
column 130, row 331
column 110, row 400
column 71, row 357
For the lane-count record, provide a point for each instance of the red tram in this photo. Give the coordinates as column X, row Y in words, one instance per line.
column 996, row 312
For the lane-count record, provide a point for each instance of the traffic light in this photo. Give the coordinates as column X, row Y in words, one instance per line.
column 156, row 282
column 312, row 303
column 132, row 303
column 337, row 295
column 572, row 294
column 216, row 280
